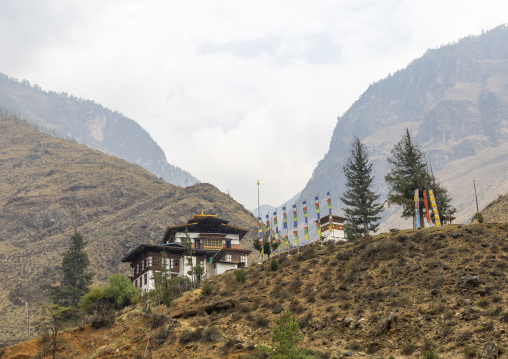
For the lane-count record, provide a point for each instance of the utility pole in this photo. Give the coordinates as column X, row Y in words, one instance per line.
column 28, row 320
column 263, row 243
column 474, row 185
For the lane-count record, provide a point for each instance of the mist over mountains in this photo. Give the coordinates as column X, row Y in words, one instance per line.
column 454, row 100
column 90, row 124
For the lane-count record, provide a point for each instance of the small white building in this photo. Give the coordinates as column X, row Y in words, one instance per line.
column 337, row 233
column 215, row 246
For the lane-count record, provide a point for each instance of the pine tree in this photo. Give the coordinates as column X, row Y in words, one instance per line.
column 361, row 207
column 409, row 173
column 75, row 282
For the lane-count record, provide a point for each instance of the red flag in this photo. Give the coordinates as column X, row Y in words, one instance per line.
column 426, row 206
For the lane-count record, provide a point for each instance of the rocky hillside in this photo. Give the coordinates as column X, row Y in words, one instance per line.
column 454, row 100
column 48, row 184
column 90, row 124
column 391, row 295
column 496, row 211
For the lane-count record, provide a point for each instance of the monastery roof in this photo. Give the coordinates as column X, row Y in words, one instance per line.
column 335, row 218
column 205, row 224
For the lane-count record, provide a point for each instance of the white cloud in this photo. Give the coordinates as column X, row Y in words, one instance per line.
column 232, row 91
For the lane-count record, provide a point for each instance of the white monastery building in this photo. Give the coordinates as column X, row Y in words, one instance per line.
column 215, row 246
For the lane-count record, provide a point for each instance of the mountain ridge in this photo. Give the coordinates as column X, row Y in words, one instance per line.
column 454, row 100
column 91, row 124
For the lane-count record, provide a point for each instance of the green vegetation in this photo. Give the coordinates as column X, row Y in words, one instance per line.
column 207, row 288
column 268, row 247
column 52, row 321
column 408, row 173
column 361, row 206
column 75, row 281
column 274, row 265
column 120, row 291
column 241, row 275
column 286, row 338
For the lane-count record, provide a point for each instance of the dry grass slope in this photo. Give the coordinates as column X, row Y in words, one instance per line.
column 46, row 180
column 392, row 294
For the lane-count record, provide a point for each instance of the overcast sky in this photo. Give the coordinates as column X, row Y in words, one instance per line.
column 233, row 91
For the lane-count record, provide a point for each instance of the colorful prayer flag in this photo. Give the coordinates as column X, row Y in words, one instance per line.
column 276, row 225
column 260, row 231
column 426, row 206
column 434, row 209
column 268, row 226
column 318, row 223
column 417, row 209
column 306, row 227
column 295, row 228
column 286, row 240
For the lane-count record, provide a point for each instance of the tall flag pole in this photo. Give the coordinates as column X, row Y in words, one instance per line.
column 306, row 227
column 417, row 209
column 285, row 224
column 426, row 206
column 260, row 231
column 276, row 224
column 330, row 219
column 434, row 208
column 318, row 223
column 295, row 226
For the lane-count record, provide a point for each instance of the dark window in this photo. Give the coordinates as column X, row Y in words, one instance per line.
column 146, row 278
column 228, row 243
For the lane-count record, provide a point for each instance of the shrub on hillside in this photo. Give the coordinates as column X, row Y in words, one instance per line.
column 261, row 321
column 120, row 291
column 211, row 334
column 207, row 288
column 274, row 265
column 286, row 338
column 100, row 311
column 188, row 336
column 241, row 275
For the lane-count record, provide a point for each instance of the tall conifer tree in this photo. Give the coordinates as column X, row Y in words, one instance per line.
column 361, row 207
column 409, row 173
column 75, row 281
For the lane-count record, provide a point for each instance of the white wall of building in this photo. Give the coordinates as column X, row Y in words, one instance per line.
column 220, row 268
column 336, row 234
